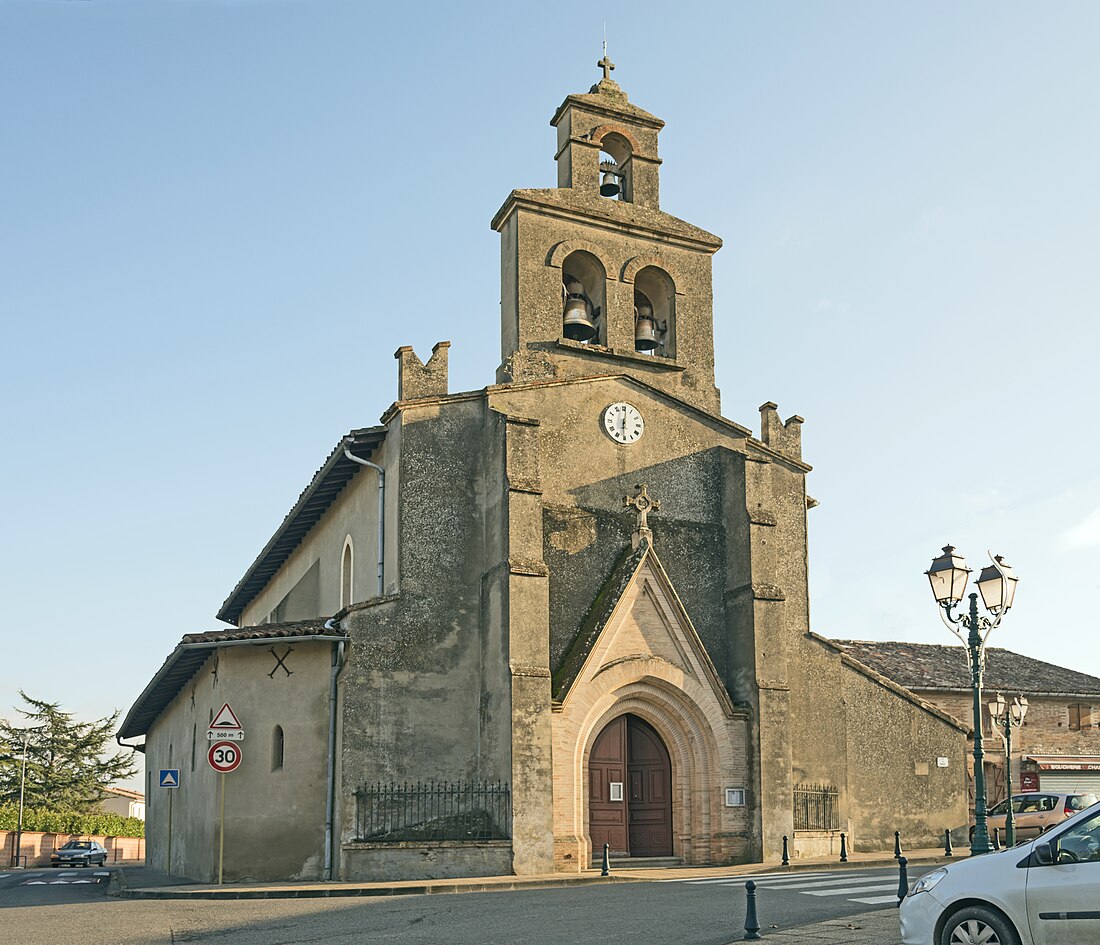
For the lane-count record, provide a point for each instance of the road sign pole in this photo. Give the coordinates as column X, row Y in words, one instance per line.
column 221, row 833
column 170, row 796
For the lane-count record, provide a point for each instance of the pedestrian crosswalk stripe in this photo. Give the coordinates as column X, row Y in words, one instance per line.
column 771, row 879
column 832, row 883
column 825, row 882
column 881, row 887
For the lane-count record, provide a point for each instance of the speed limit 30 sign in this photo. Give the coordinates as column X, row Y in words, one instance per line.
column 224, row 756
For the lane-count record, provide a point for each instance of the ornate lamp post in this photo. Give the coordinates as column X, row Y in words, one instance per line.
column 1006, row 715
column 997, row 582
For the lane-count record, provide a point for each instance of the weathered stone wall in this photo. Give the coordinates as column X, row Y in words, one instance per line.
column 299, row 704
column 894, row 781
column 423, row 689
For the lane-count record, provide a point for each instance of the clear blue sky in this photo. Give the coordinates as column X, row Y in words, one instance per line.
column 218, row 220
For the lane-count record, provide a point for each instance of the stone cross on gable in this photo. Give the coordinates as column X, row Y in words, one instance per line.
column 643, row 505
column 607, row 65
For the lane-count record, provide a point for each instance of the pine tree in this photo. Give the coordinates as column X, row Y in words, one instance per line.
column 67, row 762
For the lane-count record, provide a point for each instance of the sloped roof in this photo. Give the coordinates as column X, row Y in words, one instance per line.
column 194, row 650
column 926, row 666
column 327, row 483
column 607, row 599
column 603, row 610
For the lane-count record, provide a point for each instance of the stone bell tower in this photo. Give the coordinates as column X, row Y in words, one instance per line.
column 595, row 278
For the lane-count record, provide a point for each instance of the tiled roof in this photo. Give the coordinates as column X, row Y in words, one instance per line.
column 193, row 650
column 920, row 666
column 266, row 631
column 326, row 484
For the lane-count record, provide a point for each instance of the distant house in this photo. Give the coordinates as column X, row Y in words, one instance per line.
column 1058, row 746
column 124, row 802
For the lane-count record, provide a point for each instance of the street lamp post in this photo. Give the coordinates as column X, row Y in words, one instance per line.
column 17, row 855
column 997, row 582
column 1005, row 715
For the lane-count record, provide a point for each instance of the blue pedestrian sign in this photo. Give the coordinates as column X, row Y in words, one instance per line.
column 170, row 777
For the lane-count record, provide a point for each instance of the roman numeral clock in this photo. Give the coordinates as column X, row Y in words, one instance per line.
column 623, row 423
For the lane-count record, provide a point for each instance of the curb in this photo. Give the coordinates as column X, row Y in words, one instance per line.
column 339, row 892
column 122, row 889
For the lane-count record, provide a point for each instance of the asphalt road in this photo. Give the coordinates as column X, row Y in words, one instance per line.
column 37, row 909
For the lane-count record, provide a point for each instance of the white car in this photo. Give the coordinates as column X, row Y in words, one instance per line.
column 1044, row 892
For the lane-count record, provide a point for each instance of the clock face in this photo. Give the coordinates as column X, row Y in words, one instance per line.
column 623, row 423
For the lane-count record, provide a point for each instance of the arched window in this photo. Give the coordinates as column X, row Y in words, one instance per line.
column 615, row 168
column 276, row 748
column 655, row 313
column 584, row 285
column 346, row 567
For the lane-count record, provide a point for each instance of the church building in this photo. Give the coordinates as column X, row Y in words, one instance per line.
column 508, row 626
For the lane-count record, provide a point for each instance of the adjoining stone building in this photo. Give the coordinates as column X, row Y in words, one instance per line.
column 1058, row 746
column 571, row 605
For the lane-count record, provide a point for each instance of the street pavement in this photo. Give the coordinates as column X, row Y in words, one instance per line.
column 689, row 907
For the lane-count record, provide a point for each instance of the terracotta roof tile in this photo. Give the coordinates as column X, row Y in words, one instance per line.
column 267, row 631
column 932, row 666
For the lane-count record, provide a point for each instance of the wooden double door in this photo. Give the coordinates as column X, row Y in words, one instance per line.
column 630, row 790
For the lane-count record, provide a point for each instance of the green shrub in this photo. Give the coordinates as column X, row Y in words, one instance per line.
column 98, row 824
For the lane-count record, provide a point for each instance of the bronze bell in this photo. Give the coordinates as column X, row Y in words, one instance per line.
column 645, row 329
column 576, row 320
column 610, row 186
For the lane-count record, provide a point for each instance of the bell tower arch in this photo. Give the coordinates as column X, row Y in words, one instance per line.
column 595, row 277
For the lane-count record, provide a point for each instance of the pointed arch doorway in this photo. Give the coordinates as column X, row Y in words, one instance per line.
column 630, row 790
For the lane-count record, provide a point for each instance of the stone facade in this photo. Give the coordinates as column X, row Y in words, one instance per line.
column 1059, row 740
column 521, row 606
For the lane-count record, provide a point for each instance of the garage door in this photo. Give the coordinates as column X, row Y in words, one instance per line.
column 1070, row 782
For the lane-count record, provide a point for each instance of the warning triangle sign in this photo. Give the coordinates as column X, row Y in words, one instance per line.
column 226, row 718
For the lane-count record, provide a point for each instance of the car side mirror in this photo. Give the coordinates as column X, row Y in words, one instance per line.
column 1044, row 854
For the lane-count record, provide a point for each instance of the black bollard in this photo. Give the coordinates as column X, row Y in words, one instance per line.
column 897, row 844
column 606, row 871
column 947, row 843
column 752, row 924
column 903, row 879
column 843, row 849
column 786, row 855
column 996, row 838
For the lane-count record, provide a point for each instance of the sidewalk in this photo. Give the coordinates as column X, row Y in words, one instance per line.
column 144, row 883
column 874, row 928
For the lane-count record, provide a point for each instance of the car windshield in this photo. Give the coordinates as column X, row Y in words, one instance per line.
column 77, row 845
column 1080, row 801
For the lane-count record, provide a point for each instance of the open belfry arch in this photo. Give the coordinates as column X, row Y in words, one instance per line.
column 571, row 606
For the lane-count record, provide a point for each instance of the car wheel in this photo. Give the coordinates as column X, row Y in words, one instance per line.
column 977, row 925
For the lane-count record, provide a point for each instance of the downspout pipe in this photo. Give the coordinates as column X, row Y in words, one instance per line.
column 330, row 792
column 381, row 516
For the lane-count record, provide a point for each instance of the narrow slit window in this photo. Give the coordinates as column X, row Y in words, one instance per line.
column 277, row 748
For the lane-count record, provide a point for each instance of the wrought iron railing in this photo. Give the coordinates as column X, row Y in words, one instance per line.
column 816, row 807
column 433, row 810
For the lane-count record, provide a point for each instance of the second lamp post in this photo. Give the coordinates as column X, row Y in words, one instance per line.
column 1005, row 715
column 997, row 582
